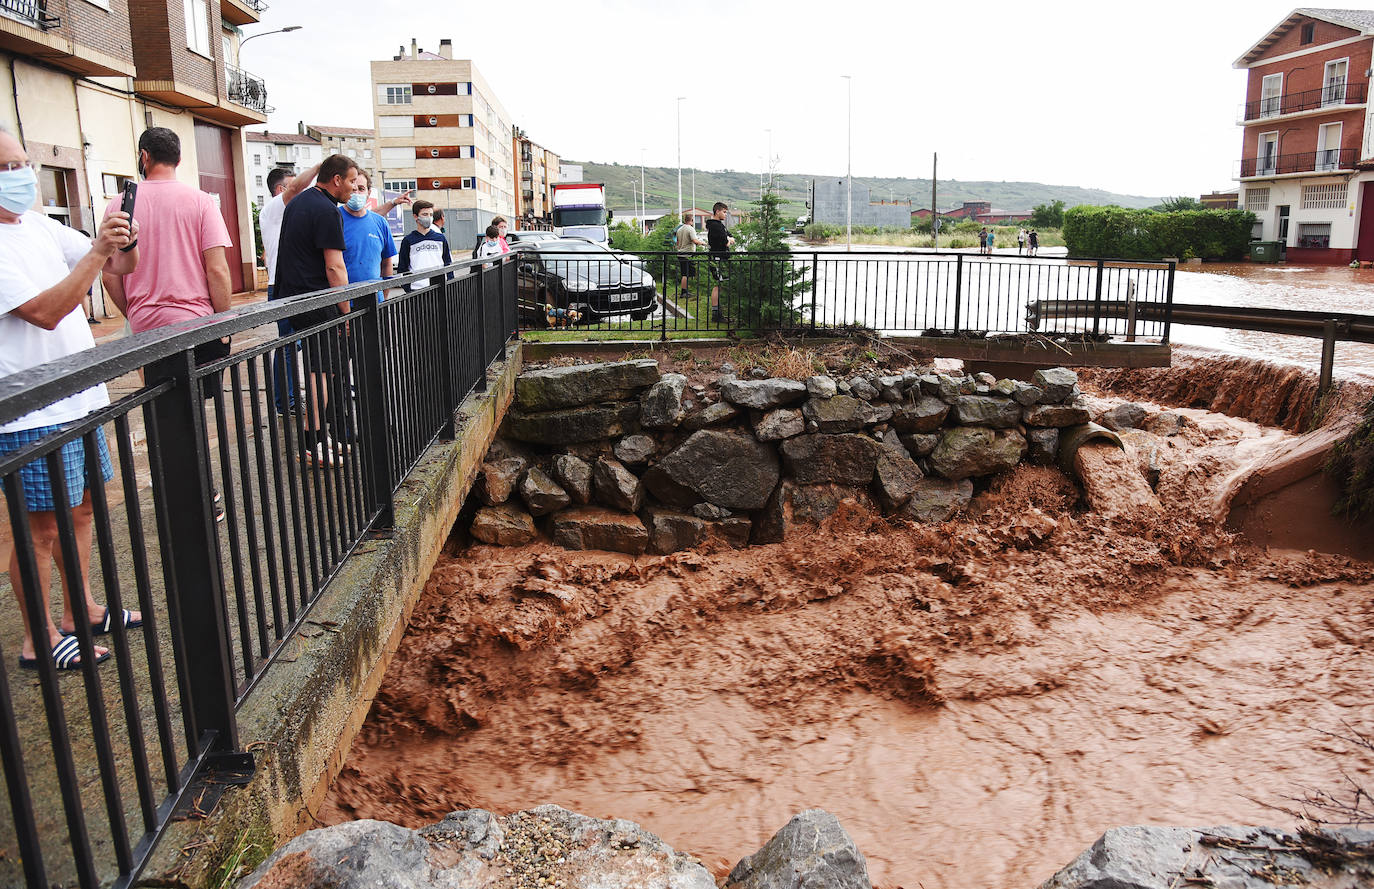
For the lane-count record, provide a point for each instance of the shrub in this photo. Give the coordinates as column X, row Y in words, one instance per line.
column 1118, row 233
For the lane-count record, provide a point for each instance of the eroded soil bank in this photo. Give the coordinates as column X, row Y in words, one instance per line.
column 977, row 701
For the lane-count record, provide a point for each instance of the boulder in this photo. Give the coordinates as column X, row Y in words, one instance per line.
column 575, row 475
column 890, row 389
column 820, row 387
column 729, row 469
column 661, row 406
column 635, row 450
column 1044, row 445
column 882, row 412
column 1058, row 384
column 1027, row 395
column 667, row 491
column 987, row 410
column 554, row 388
column 842, row 413
column 1127, row 415
column 1005, row 387
column 819, row 458
column 763, row 395
column 616, row 486
column 928, row 384
column 780, row 423
column 812, row 851
column 574, row 424
column 966, row 451
column 671, row 531
column 891, row 442
column 503, row 525
column 1056, row 415
column 591, row 527
column 499, row 478
column 896, row 478
column 711, row 415
column 541, row 493
column 937, row 499
column 921, row 444
column 776, row 516
column 815, row 503
column 860, row 387
column 925, row 415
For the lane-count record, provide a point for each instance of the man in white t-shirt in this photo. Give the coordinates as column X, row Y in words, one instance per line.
column 283, row 187
column 45, row 270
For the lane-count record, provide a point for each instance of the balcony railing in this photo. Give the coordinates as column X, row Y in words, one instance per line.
column 247, row 89
column 1324, row 161
column 31, row 12
column 1332, row 95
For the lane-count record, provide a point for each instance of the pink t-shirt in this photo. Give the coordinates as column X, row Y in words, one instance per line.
column 176, row 225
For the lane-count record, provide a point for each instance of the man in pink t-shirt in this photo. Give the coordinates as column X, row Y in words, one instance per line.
column 183, row 271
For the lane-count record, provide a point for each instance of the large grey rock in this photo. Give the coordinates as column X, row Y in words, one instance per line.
column 575, row 475
column 591, row 527
column 772, row 522
column 555, row 388
column 896, row 478
column 616, row 486
column 937, row 499
column 499, row 478
column 542, row 494
column 921, row 444
column 661, row 406
column 729, row 469
column 574, row 424
column 813, row 851
column 842, row 413
column 763, row 395
column 503, row 525
column 820, row 387
column 780, row 423
column 635, row 450
column 839, row 459
column 711, row 415
column 890, row 388
column 925, row 414
column 860, row 387
column 1127, row 415
column 1043, row 444
column 670, row 531
column 1220, row 857
column 1057, row 383
column 1056, row 415
column 949, row 388
column 472, row 849
column 815, row 503
column 1026, row 395
column 892, row 443
column 987, row 410
column 966, row 451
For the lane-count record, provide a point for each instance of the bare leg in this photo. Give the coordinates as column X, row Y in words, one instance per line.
column 43, row 530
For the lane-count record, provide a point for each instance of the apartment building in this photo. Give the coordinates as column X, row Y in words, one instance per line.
column 539, row 170
column 267, row 151
column 442, row 131
column 356, row 142
column 79, row 90
column 1306, row 163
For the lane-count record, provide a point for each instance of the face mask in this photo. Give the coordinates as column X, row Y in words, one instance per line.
column 357, row 201
column 424, row 221
column 502, row 230
column 18, row 189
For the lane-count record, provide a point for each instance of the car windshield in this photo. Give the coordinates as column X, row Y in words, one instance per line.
column 579, row 216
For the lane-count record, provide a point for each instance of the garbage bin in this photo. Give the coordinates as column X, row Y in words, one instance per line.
column 1264, row 251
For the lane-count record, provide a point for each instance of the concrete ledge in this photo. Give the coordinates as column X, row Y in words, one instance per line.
column 307, row 709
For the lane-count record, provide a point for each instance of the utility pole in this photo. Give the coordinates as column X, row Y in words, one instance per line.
column 934, row 213
column 694, row 198
column 679, row 156
column 643, row 198
column 849, row 170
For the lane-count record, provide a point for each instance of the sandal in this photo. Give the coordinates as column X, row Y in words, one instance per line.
column 103, row 626
column 66, row 655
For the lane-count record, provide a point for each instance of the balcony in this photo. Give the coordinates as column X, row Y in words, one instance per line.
column 1330, row 160
column 1336, row 96
column 242, row 12
column 30, row 12
column 247, row 90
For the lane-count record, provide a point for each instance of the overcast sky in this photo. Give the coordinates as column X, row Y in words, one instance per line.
column 1136, row 98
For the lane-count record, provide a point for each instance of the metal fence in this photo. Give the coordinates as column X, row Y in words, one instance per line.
column 816, row 292
column 220, row 600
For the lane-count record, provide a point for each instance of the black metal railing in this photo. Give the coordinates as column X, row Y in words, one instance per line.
column 246, row 89
column 32, row 12
column 818, row 292
column 1324, row 161
column 220, row 601
column 1335, row 94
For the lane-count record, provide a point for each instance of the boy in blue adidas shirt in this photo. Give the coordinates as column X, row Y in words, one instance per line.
column 425, row 248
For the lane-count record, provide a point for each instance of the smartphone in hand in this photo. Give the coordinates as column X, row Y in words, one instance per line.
column 126, row 204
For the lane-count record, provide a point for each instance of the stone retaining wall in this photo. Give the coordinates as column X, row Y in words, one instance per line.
column 618, row 456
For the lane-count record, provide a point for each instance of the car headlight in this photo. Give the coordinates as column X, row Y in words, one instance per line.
column 648, row 280
column 578, row 285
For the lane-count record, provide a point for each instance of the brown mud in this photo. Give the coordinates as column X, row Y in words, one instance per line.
column 977, row 701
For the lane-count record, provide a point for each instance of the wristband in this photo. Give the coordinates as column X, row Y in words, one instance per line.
column 127, row 247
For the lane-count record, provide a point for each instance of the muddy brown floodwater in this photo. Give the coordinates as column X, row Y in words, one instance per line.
column 977, row 701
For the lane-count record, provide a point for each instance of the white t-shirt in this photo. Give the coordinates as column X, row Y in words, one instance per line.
column 36, row 253
column 269, row 221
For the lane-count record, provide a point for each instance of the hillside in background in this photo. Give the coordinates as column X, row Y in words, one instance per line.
column 739, row 188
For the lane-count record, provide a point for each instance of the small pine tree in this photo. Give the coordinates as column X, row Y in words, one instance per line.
column 766, row 286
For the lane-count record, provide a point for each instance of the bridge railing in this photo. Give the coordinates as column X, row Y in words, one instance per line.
column 643, row 295
column 221, row 598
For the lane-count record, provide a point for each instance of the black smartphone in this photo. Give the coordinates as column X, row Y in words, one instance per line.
column 130, row 192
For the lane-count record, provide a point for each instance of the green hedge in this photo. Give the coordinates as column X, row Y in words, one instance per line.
column 1118, row 233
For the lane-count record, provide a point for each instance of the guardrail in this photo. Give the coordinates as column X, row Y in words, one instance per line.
column 219, row 601
column 34, row 12
column 1332, row 96
column 814, row 292
column 246, row 89
column 1327, row 160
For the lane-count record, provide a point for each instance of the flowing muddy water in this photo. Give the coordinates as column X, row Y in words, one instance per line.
column 977, row 701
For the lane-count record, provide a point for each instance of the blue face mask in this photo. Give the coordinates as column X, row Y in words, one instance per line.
column 357, row 201
column 18, row 189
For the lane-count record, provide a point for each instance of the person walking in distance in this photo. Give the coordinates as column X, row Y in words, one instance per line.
column 423, row 249
column 686, row 240
column 1034, row 243
column 45, row 270
column 283, row 187
column 310, row 257
column 1020, row 241
column 719, row 242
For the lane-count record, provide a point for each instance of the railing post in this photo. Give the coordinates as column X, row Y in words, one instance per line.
column 958, row 290
column 814, row 291
column 1169, row 303
column 482, row 326
column 190, row 553
column 447, row 353
column 1097, row 301
column 1328, row 357
column 663, row 329
column 377, row 425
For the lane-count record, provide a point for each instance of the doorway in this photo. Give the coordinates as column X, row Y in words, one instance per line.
column 1364, row 244
column 215, row 154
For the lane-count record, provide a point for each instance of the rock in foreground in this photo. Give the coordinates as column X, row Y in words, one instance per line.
column 811, row 851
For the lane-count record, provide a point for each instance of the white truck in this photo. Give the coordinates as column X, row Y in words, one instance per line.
column 579, row 211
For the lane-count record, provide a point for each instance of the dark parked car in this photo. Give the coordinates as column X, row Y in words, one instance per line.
column 574, row 273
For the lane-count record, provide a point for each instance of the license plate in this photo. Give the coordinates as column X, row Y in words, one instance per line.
column 624, row 297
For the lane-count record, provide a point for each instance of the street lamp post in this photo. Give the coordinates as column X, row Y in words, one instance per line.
column 770, row 155
column 849, row 169
column 643, row 198
column 679, row 155
column 238, row 51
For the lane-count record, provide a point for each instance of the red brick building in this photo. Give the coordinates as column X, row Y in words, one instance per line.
column 1305, row 167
